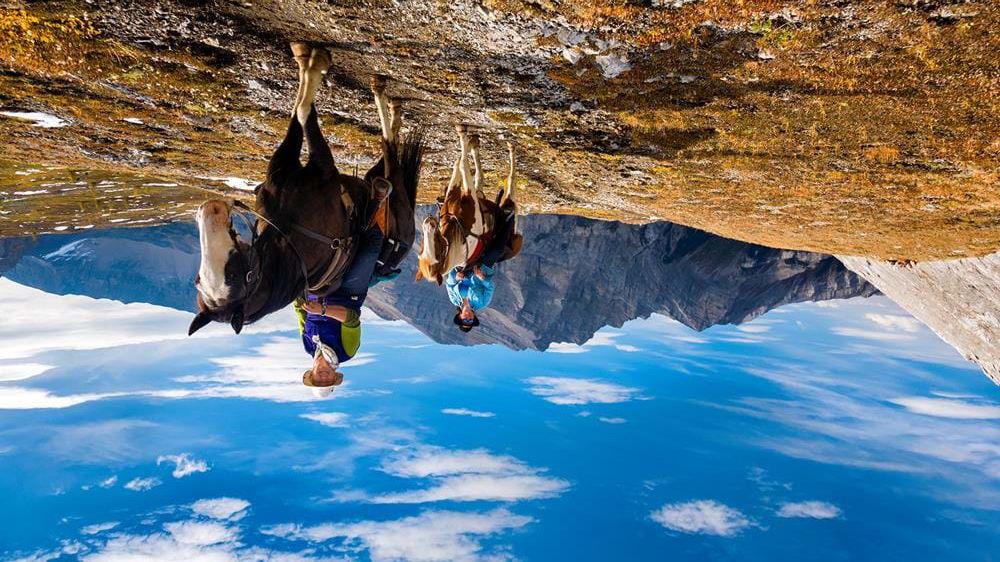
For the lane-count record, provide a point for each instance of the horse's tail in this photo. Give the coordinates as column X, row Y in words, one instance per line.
column 411, row 156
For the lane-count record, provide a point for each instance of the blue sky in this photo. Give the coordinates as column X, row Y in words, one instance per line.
column 842, row 430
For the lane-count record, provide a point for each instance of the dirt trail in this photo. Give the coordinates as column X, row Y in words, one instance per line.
column 853, row 128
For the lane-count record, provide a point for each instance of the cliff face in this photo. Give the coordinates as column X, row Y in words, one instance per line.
column 577, row 275
column 958, row 299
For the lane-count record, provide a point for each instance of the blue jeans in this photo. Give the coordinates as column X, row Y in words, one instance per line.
column 354, row 287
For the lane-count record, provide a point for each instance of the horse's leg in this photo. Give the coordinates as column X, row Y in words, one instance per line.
column 312, row 77
column 285, row 159
column 463, row 139
column 300, row 52
column 390, row 138
column 320, row 157
column 474, row 153
column 508, row 194
column 319, row 151
column 382, row 104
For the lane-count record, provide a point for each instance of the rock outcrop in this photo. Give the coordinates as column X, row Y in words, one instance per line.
column 577, row 275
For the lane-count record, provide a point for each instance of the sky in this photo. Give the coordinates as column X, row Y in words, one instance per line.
column 840, row 430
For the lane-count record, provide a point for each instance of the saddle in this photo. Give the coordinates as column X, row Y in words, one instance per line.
column 343, row 248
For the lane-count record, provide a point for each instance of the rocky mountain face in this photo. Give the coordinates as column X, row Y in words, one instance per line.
column 577, row 275
column 958, row 299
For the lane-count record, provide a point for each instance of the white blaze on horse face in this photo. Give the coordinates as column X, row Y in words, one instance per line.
column 429, row 251
column 216, row 246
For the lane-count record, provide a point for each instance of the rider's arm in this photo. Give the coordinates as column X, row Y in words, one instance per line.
column 343, row 314
column 350, row 331
column 481, row 291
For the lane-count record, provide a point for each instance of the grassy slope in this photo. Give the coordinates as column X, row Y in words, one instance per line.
column 872, row 130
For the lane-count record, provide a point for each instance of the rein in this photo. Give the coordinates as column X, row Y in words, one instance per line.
column 254, row 276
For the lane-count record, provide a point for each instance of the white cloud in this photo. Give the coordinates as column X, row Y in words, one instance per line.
column 329, row 419
column 467, row 412
column 627, row 348
column 200, row 533
column 942, row 408
column 462, row 475
column 142, row 484
column 184, row 541
column 613, row 420
column 430, row 536
column 599, row 339
column 184, row 464
column 481, row 487
column 70, row 322
column 705, row 517
column 871, row 335
column 436, row 461
column 895, row 322
column 18, row 398
column 98, row 528
column 809, row 509
column 754, row 328
column 108, row 482
column 842, row 421
column 563, row 347
column 21, row 371
column 232, row 509
column 567, row 391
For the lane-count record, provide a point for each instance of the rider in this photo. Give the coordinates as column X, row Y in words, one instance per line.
column 470, row 288
column 330, row 326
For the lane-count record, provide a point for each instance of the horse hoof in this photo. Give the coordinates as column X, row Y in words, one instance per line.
column 379, row 82
column 320, row 58
column 300, row 49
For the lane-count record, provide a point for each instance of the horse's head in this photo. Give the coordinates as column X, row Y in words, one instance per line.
column 433, row 253
column 223, row 280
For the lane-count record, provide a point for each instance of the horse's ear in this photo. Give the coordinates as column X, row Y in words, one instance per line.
column 237, row 321
column 200, row 321
column 419, row 276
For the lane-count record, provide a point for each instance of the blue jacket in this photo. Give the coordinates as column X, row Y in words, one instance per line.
column 478, row 291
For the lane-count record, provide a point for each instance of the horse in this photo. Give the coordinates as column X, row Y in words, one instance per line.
column 466, row 217
column 309, row 215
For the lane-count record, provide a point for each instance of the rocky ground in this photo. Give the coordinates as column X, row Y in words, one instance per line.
column 866, row 128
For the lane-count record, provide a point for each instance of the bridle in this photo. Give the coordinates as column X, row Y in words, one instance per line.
column 253, row 277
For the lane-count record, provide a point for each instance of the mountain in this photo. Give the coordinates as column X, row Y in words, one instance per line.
column 576, row 275
column 958, row 299
column 154, row 264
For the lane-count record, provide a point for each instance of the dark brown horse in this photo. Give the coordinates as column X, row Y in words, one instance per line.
column 309, row 214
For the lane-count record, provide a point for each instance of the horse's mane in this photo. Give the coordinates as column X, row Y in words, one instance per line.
column 280, row 267
column 279, row 262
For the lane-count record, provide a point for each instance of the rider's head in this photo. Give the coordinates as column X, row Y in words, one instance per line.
column 465, row 318
column 322, row 377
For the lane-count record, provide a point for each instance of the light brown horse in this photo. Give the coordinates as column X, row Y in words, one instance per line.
column 466, row 217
